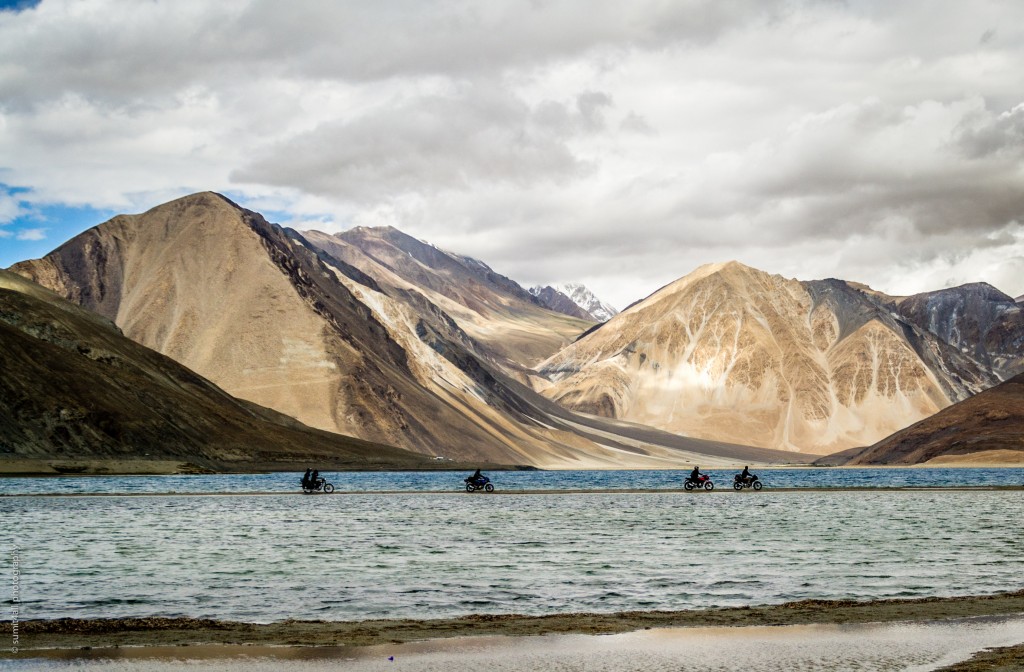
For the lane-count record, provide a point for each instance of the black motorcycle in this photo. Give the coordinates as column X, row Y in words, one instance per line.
column 482, row 483
column 752, row 481
column 321, row 485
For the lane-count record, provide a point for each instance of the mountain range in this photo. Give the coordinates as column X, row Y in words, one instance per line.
column 737, row 354
column 371, row 334
column 375, row 334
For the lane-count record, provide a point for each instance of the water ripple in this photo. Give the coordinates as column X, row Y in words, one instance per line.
column 430, row 555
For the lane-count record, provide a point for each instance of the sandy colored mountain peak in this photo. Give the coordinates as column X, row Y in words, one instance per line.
column 732, row 353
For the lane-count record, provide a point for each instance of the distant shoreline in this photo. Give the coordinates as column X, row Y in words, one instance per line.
column 16, row 468
column 520, row 492
column 51, row 469
column 38, row 636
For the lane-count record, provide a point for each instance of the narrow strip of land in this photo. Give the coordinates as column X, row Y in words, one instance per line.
column 551, row 491
column 70, row 633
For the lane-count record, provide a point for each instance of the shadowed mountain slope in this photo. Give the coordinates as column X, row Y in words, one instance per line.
column 987, row 428
column 734, row 354
column 76, row 390
column 977, row 319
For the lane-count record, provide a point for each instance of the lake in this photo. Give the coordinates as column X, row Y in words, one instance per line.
column 263, row 558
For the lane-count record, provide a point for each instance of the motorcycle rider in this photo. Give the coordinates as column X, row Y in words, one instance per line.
column 305, row 479
column 695, row 474
column 315, row 480
column 476, row 477
column 745, row 475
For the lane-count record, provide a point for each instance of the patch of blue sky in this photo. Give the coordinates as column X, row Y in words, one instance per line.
column 29, row 230
column 17, row 5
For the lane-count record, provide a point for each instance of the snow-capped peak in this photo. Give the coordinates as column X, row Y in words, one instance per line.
column 585, row 299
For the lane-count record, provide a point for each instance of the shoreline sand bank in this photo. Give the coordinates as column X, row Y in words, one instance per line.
column 66, row 633
column 500, row 492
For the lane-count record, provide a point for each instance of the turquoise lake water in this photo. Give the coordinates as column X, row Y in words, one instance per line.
column 264, row 558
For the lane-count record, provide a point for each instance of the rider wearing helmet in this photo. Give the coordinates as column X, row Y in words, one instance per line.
column 695, row 474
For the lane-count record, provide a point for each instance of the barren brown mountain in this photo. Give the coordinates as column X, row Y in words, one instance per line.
column 273, row 319
column 735, row 354
column 988, row 428
column 77, row 396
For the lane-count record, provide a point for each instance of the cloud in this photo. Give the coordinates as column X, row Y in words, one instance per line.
column 622, row 144
column 1000, row 136
column 474, row 135
column 118, row 51
column 10, row 207
column 31, row 234
column 862, row 166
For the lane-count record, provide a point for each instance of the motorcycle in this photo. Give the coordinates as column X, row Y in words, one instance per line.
column 703, row 481
column 321, row 485
column 482, row 483
column 738, row 482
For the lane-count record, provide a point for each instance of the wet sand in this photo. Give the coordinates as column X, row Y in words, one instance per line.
column 78, row 633
column 932, row 645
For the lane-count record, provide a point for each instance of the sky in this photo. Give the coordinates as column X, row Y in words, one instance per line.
column 618, row 144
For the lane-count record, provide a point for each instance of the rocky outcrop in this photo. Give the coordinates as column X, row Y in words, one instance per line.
column 735, row 354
